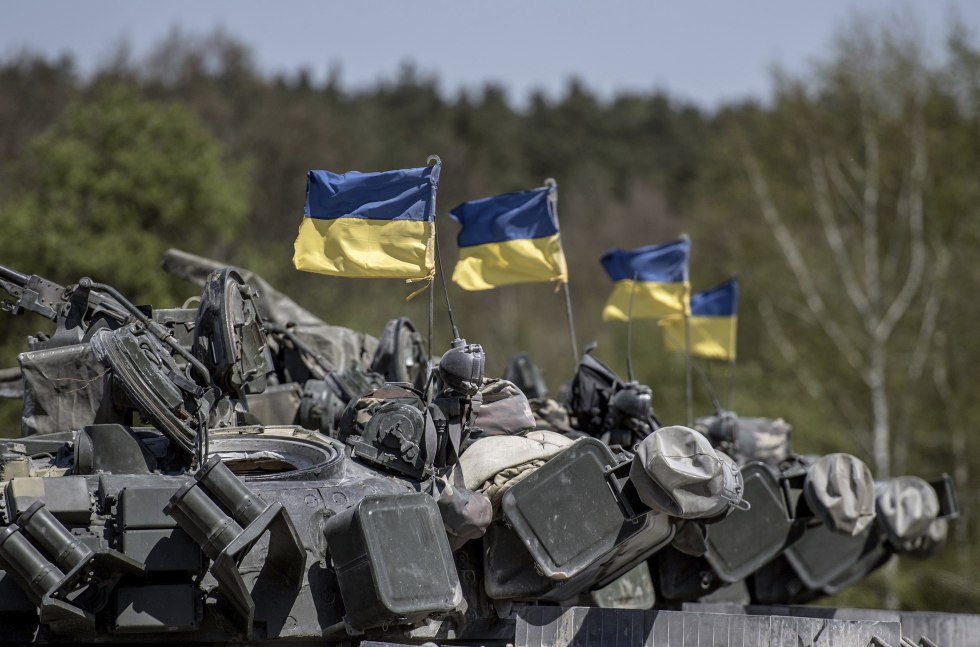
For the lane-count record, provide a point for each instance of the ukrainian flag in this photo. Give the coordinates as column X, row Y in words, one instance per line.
column 713, row 323
column 660, row 273
column 507, row 239
column 369, row 225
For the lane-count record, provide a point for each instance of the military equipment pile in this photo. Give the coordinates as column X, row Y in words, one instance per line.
column 243, row 471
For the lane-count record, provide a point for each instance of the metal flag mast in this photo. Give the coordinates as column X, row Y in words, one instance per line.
column 731, row 363
column 687, row 346
column 687, row 355
column 704, row 377
column 434, row 159
column 629, row 332
column 553, row 201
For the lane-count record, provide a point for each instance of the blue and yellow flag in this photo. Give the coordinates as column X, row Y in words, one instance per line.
column 662, row 283
column 714, row 323
column 369, row 225
column 507, row 239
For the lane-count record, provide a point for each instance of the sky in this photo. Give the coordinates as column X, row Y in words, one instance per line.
column 708, row 52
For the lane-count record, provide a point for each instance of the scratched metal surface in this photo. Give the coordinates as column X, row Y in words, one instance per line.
column 592, row 627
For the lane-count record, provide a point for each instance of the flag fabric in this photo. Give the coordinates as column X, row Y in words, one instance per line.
column 661, row 278
column 713, row 322
column 369, row 225
column 507, row 239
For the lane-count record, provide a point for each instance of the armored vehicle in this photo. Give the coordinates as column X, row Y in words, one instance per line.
column 241, row 471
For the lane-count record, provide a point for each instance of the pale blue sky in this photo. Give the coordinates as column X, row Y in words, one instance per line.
column 698, row 50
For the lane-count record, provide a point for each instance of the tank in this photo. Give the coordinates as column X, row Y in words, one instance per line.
column 245, row 472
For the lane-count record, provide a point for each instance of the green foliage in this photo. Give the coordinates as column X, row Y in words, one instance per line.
column 104, row 190
column 114, row 183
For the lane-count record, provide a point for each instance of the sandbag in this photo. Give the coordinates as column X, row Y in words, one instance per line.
column 748, row 439
column 551, row 415
column 465, row 514
column 927, row 544
column 493, row 454
column 495, row 463
column 839, row 489
column 906, row 507
column 676, row 471
column 504, row 410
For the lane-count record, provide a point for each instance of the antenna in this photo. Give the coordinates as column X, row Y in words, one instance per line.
column 711, row 390
column 445, row 289
column 435, row 159
column 430, row 368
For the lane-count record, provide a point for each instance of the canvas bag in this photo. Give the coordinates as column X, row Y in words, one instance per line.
column 503, row 411
column 590, row 391
column 677, row 471
column 906, row 507
column 840, row 491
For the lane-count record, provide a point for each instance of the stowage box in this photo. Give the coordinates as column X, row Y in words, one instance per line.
column 392, row 560
column 744, row 541
column 565, row 512
column 566, row 529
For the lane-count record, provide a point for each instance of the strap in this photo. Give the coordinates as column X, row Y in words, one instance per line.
column 431, row 439
column 454, row 429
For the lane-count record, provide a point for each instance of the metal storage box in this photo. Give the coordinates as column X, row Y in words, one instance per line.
column 565, row 512
column 66, row 497
column 821, row 555
column 567, row 529
column 745, row 540
column 392, row 560
column 156, row 608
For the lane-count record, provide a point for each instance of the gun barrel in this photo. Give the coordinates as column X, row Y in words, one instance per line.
column 12, row 275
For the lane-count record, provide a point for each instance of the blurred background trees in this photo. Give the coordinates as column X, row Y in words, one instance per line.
column 847, row 202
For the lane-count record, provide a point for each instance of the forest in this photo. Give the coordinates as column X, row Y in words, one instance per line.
column 847, row 202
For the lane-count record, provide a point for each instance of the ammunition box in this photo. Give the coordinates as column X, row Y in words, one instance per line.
column 393, row 561
column 158, row 608
column 163, row 550
column 66, row 497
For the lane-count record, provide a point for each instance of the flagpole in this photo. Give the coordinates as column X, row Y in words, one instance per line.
column 731, row 364
column 629, row 332
column 731, row 383
column 430, row 367
column 432, row 313
column 704, row 377
column 553, row 200
column 687, row 354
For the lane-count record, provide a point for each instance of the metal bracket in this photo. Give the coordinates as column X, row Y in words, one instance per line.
column 226, row 519
column 66, row 579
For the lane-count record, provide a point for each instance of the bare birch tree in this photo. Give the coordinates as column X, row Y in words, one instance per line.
column 886, row 282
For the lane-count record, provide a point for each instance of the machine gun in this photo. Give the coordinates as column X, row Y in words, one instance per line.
column 82, row 309
column 33, row 293
column 78, row 310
